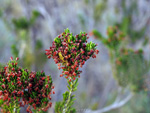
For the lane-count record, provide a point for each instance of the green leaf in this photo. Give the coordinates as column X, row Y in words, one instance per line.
column 58, row 107
column 67, row 31
column 75, row 84
column 21, row 23
column 69, row 83
column 69, row 88
column 65, row 95
column 97, row 34
column 74, row 89
column 145, row 41
column 35, row 13
column 72, row 110
column 14, row 50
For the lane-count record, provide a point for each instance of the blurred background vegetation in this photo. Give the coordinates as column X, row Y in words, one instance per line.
column 28, row 27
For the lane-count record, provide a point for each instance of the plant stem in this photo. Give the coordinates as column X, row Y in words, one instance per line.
column 16, row 108
column 14, row 111
column 66, row 105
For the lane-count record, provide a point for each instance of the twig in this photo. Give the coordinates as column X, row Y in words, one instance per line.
column 112, row 106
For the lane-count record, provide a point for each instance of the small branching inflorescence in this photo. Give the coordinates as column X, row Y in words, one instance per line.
column 70, row 52
column 131, row 69
column 129, row 66
column 19, row 87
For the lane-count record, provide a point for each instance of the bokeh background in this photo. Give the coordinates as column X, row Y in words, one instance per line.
column 28, row 27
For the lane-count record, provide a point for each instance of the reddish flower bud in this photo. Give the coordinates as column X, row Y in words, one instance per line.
column 30, row 85
column 9, row 99
column 43, row 95
column 96, row 51
column 14, row 98
column 11, row 58
column 82, row 51
column 50, row 104
column 1, row 92
column 49, row 97
column 17, row 59
column 66, row 72
column 13, row 74
column 7, row 78
column 46, row 85
column 76, row 63
column 48, row 57
column 59, row 64
column 36, row 88
column 74, row 78
column 59, row 68
column 83, row 62
column 93, row 56
column 74, row 73
column 61, row 75
column 53, row 87
column 33, row 75
column 3, row 86
column 18, row 78
column 13, row 69
column 43, row 78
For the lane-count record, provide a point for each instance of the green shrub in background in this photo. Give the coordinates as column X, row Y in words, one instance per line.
column 129, row 66
column 30, row 55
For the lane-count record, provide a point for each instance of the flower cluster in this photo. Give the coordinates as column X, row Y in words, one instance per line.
column 129, row 66
column 125, row 54
column 131, row 69
column 25, row 88
column 38, row 91
column 114, row 40
column 115, row 37
column 70, row 52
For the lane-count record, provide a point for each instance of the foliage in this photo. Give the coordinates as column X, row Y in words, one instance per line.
column 23, row 49
column 129, row 66
column 24, row 23
column 126, row 62
column 70, row 52
column 127, row 11
column 99, row 8
column 68, row 99
column 20, row 87
column 131, row 69
column 126, row 24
